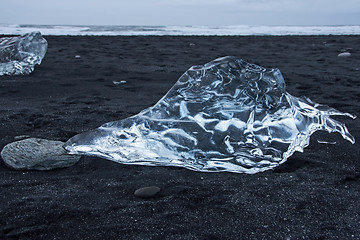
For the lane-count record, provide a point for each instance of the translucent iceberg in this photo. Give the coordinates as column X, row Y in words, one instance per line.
column 18, row 55
column 226, row 115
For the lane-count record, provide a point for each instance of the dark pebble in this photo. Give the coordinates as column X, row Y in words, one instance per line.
column 147, row 192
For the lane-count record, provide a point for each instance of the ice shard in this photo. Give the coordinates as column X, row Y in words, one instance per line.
column 18, row 55
column 226, row 115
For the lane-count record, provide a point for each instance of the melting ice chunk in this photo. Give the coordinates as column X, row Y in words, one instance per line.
column 18, row 55
column 226, row 115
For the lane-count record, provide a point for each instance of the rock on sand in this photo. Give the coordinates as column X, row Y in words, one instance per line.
column 147, row 192
column 37, row 154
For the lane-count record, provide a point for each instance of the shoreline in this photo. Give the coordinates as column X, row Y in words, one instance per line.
column 124, row 30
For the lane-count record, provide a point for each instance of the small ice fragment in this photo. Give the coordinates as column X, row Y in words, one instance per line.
column 119, row 82
column 77, row 56
column 225, row 115
column 20, row 137
column 326, row 142
column 18, row 55
column 344, row 54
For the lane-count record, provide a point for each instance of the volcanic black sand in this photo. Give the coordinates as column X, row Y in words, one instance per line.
column 314, row 195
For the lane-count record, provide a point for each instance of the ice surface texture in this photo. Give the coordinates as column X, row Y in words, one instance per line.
column 18, row 55
column 226, row 115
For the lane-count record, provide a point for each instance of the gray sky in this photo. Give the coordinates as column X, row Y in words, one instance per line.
column 181, row 12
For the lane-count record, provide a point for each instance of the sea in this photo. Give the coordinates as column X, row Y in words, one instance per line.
column 236, row 30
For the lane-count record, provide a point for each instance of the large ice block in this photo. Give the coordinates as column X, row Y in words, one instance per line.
column 226, row 115
column 18, row 55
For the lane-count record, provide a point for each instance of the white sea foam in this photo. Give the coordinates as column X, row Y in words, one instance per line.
column 238, row 30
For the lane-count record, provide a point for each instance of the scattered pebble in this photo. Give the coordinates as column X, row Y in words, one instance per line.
column 37, row 154
column 119, row 82
column 344, row 54
column 147, row 192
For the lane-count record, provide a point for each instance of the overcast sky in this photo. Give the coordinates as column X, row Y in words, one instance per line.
column 181, row 12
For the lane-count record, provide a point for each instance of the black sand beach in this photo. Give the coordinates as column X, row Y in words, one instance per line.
column 314, row 195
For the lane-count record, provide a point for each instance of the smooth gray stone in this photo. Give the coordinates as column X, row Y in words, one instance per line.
column 37, row 154
column 147, row 192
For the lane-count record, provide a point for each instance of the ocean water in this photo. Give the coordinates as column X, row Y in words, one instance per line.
column 238, row 30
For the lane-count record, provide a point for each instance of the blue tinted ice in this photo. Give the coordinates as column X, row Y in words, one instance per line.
column 18, row 55
column 226, row 115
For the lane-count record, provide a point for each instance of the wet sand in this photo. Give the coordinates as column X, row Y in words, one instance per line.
column 314, row 195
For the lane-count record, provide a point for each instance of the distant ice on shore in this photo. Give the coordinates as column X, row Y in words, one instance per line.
column 238, row 30
column 20, row 54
